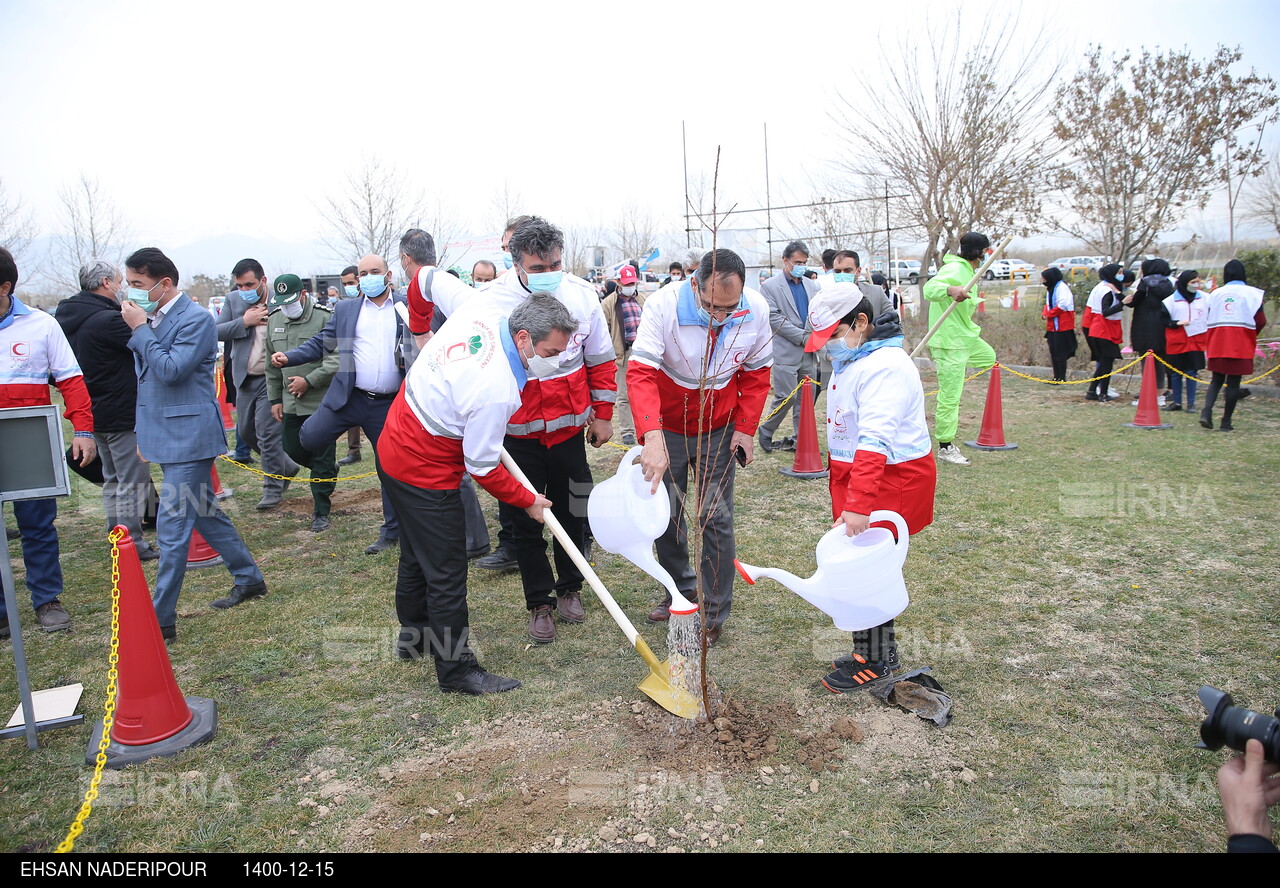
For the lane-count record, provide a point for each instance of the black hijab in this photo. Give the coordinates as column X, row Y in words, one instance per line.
column 1233, row 271
column 1185, row 278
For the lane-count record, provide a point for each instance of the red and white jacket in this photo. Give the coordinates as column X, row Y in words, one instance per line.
column 451, row 413
column 1235, row 317
column 1104, row 310
column 1194, row 336
column 33, row 348
column 555, row 408
column 881, row 453
column 446, row 291
column 676, row 354
column 1059, row 309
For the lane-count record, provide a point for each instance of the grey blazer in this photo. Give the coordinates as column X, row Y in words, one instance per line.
column 790, row 328
column 236, row 335
column 178, row 419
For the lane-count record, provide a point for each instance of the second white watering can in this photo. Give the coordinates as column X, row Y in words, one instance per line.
column 626, row 519
column 859, row 579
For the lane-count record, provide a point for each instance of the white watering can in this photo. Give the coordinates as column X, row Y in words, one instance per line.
column 626, row 519
column 859, row 579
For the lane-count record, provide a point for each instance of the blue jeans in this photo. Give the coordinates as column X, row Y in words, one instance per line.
column 39, row 551
column 186, row 502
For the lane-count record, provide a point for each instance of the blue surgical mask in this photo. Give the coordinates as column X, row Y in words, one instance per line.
column 250, row 296
column 506, row 260
column 845, row 277
column 351, row 291
column 799, row 271
column 545, row 281
column 839, row 352
column 141, row 298
column 372, row 285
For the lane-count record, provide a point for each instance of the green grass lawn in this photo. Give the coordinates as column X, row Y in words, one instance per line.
column 1072, row 596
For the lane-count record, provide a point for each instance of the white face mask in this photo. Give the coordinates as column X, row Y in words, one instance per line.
column 629, row 290
column 292, row 310
column 541, row 368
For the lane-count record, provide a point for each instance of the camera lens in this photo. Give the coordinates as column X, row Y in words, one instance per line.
column 1229, row 725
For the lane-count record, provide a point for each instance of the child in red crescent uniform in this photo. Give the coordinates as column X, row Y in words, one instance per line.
column 881, row 454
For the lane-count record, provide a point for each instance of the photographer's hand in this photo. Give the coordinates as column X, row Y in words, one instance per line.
column 1249, row 784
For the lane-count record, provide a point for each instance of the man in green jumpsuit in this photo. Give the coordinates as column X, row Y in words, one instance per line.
column 295, row 392
column 958, row 343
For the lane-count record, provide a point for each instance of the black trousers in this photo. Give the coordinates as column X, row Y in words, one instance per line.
column 323, row 427
column 431, row 581
column 322, row 465
column 562, row 475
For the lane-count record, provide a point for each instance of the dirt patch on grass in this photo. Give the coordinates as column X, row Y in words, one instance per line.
column 598, row 783
column 357, row 502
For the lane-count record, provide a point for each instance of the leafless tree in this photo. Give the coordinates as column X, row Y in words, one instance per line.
column 1262, row 203
column 18, row 226
column 578, row 239
column 90, row 226
column 954, row 125
column 634, row 232
column 1126, row 185
column 374, row 207
column 438, row 219
column 506, row 204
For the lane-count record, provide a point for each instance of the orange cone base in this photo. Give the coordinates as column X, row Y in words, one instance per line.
column 792, row 473
column 1134, row 425
column 976, row 446
column 201, row 729
column 200, row 553
column 218, row 492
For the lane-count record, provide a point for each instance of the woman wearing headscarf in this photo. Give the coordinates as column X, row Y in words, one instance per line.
column 1059, row 314
column 1105, row 332
column 1146, row 327
column 1186, row 335
column 1234, row 319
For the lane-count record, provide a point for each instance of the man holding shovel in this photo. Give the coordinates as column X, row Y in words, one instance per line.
column 958, row 343
column 449, row 417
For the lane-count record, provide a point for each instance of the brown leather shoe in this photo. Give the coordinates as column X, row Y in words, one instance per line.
column 660, row 614
column 569, row 607
column 713, row 635
column 542, row 625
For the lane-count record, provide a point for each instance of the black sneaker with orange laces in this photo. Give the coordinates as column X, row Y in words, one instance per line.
column 856, row 674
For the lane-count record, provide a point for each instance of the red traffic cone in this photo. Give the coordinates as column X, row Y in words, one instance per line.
column 152, row 718
column 1015, row 306
column 808, row 461
column 1148, row 415
column 218, row 492
column 991, row 437
column 200, row 553
column 223, row 402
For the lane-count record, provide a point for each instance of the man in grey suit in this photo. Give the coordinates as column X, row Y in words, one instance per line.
column 179, row 426
column 242, row 324
column 788, row 293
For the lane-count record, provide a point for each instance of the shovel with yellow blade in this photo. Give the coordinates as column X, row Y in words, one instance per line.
column 664, row 683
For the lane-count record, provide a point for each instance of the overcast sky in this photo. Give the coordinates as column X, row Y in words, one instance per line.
column 237, row 118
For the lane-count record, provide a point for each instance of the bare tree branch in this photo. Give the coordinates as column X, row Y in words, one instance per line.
column 18, row 226
column 1262, row 204
column 91, row 227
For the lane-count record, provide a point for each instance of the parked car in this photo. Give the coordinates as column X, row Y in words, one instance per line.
column 1007, row 269
column 1078, row 264
column 904, row 270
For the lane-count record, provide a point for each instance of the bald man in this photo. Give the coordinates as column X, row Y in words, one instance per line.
column 368, row 336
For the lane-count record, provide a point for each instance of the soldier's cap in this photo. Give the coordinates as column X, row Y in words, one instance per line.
column 285, row 288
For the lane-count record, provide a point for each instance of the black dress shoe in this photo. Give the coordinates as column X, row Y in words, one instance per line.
column 767, row 445
column 788, row 444
column 381, row 544
column 501, row 559
column 169, row 634
column 353, row 456
column 240, row 594
column 320, row 523
column 477, row 682
column 473, row 554
column 151, row 553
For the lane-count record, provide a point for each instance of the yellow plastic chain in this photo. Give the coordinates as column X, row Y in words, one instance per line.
column 109, row 708
column 226, row 458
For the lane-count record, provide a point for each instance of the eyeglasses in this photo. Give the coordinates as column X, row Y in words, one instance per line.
column 715, row 311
